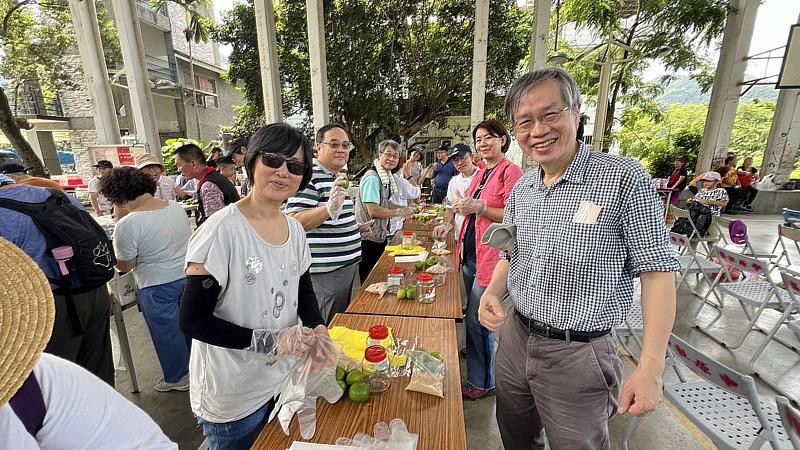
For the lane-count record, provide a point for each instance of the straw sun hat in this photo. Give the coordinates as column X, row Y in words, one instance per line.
column 147, row 159
column 27, row 310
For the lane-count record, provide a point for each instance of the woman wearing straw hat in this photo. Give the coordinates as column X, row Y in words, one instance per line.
column 46, row 401
column 166, row 187
column 151, row 240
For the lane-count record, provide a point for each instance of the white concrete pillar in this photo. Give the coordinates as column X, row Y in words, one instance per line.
column 318, row 61
column 87, row 34
column 268, row 60
column 601, row 111
column 539, row 34
column 783, row 144
column 727, row 81
column 126, row 16
column 479, row 55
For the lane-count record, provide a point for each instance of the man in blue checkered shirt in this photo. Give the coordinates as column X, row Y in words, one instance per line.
column 587, row 224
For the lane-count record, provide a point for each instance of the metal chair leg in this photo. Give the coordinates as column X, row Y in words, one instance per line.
column 125, row 344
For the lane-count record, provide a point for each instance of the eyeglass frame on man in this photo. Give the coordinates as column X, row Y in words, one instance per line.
column 527, row 125
column 336, row 145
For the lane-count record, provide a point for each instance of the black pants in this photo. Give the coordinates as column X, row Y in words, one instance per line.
column 748, row 195
column 81, row 332
column 438, row 194
column 733, row 198
column 370, row 253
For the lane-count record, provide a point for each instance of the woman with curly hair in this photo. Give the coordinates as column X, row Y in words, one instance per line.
column 152, row 240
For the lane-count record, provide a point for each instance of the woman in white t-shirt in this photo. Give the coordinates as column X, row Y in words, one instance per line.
column 248, row 281
column 151, row 240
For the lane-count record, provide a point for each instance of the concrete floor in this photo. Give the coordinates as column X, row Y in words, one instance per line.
column 665, row 429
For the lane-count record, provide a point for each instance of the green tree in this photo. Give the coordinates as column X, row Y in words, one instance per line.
column 672, row 30
column 393, row 67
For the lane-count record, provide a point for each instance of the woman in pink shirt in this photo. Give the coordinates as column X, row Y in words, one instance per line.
column 483, row 205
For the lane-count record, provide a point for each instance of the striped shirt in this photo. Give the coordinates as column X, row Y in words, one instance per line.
column 335, row 243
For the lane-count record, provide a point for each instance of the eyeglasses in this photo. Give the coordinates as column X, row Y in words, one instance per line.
column 391, row 155
column 274, row 161
column 336, row 145
column 548, row 118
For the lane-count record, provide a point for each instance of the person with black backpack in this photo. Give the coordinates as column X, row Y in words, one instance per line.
column 77, row 257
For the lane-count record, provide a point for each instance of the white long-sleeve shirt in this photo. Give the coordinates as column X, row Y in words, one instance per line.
column 405, row 192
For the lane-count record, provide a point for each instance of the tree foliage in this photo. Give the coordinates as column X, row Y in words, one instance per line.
column 672, row 30
column 393, row 67
column 679, row 131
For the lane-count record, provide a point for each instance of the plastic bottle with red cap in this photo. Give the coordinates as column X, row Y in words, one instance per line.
column 408, row 240
column 426, row 288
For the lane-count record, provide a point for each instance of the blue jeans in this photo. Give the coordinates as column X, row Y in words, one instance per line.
column 160, row 305
column 481, row 345
column 468, row 272
column 239, row 434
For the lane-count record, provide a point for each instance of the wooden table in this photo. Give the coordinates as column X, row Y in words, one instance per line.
column 415, row 225
column 448, row 297
column 439, row 422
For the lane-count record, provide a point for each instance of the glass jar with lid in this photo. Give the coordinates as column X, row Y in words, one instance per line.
column 426, row 288
column 377, row 333
column 394, row 279
column 376, row 368
column 408, row 240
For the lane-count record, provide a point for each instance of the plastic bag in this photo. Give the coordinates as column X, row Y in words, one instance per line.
column 766, row 183
column 428, row 374
column 314, row 376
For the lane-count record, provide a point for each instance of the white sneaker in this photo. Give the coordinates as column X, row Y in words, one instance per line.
column 162, row 386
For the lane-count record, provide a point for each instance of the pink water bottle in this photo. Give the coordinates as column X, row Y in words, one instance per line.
column 62, row 255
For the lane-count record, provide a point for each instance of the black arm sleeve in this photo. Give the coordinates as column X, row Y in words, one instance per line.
column 197, row 319
column 307, row 306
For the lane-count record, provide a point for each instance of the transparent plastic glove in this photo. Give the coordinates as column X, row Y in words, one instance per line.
column 336, row 199
column 470, row 205
column 440, row 231
column 314, row 376
column 366, row 227
column 404, row 212
column 293, row 341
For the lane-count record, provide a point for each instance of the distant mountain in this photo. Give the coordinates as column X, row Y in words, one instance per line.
column 684, row 90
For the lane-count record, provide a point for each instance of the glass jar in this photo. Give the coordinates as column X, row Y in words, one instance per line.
column 394, row 279
column 376, row 368
column 377, row 333
column 408, row 240
column 426, row 288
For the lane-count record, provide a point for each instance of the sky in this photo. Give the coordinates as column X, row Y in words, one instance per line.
column 772, row 30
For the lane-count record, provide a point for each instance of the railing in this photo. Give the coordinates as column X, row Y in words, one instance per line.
column 162, row 10
column 158, row 18
column 162, row 69
column 29, row 102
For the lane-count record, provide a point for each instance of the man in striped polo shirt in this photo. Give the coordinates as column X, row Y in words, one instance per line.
column 326, row 212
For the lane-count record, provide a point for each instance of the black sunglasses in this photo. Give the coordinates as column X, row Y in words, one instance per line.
column 274, row 161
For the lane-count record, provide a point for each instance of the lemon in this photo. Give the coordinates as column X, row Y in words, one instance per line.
column 355, row 376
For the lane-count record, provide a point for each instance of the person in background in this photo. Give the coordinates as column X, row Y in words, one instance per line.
column 415, row 156
column 462, row 158
column 81, row 332
column 710, row 194
column 101, row 205
column 730, row 182
column 227, row 167
column 326, row 211
column 377, row 186
column 236, row 149
column 214, row 191
column 407, row 189
column 587, row 224
column 442, row 173
column 715, row 165
column 166, row 187
column 216, row 154
column 748, row 177
column 20, row 176
column 188, row 185
column 677, row 180
column 248, row 283
column 482, row 206
column 151, row 240
column 47, row 402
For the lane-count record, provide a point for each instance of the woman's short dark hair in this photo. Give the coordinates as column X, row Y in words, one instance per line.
column 496, row 129
column 125, row 184
column 729, row 159
column 280, row 139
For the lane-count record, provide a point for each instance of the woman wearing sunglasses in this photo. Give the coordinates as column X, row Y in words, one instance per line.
column 248, row 284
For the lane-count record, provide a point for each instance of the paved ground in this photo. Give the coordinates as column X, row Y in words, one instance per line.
column 665, row 429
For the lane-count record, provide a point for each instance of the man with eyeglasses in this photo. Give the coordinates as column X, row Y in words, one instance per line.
column 442, row 174
column 214, row 191
column 326, row 212
column 587, row 223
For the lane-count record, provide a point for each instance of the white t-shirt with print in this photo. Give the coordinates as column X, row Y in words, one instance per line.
column 259, row 284
column 157, row 240
column 459, row 185
column 104, row 204
column 83, row 412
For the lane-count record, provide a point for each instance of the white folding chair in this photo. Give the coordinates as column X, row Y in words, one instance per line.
column 725, row 404
column 783, row 259
column 746, row 248
column 631, row 328
column 792, row 284
column 790, row 418
column 712, row 234
column 691, row 263
column 123, row 297
column 757, row 292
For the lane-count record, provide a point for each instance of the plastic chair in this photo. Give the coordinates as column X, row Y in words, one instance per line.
column 746, row 248
column 711, row 237
column 790, row 418
column 691, row 263
column 632, row 328
column 123, row 297
column 783, row 259
column 725, row 404
column 756, row 291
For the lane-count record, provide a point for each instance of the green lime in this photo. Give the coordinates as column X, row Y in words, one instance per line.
column 358, row 393
column 340, row 373
column 355, row 376
column 401, row 294
column 419, row 265
column 342, row 385
column 437, row 355
column 411, row 292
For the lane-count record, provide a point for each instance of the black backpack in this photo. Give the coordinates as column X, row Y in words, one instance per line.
column 64, row 224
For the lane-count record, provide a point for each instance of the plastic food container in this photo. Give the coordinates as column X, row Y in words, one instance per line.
column 394, row 279
column 376, row 368
column 426, row 288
